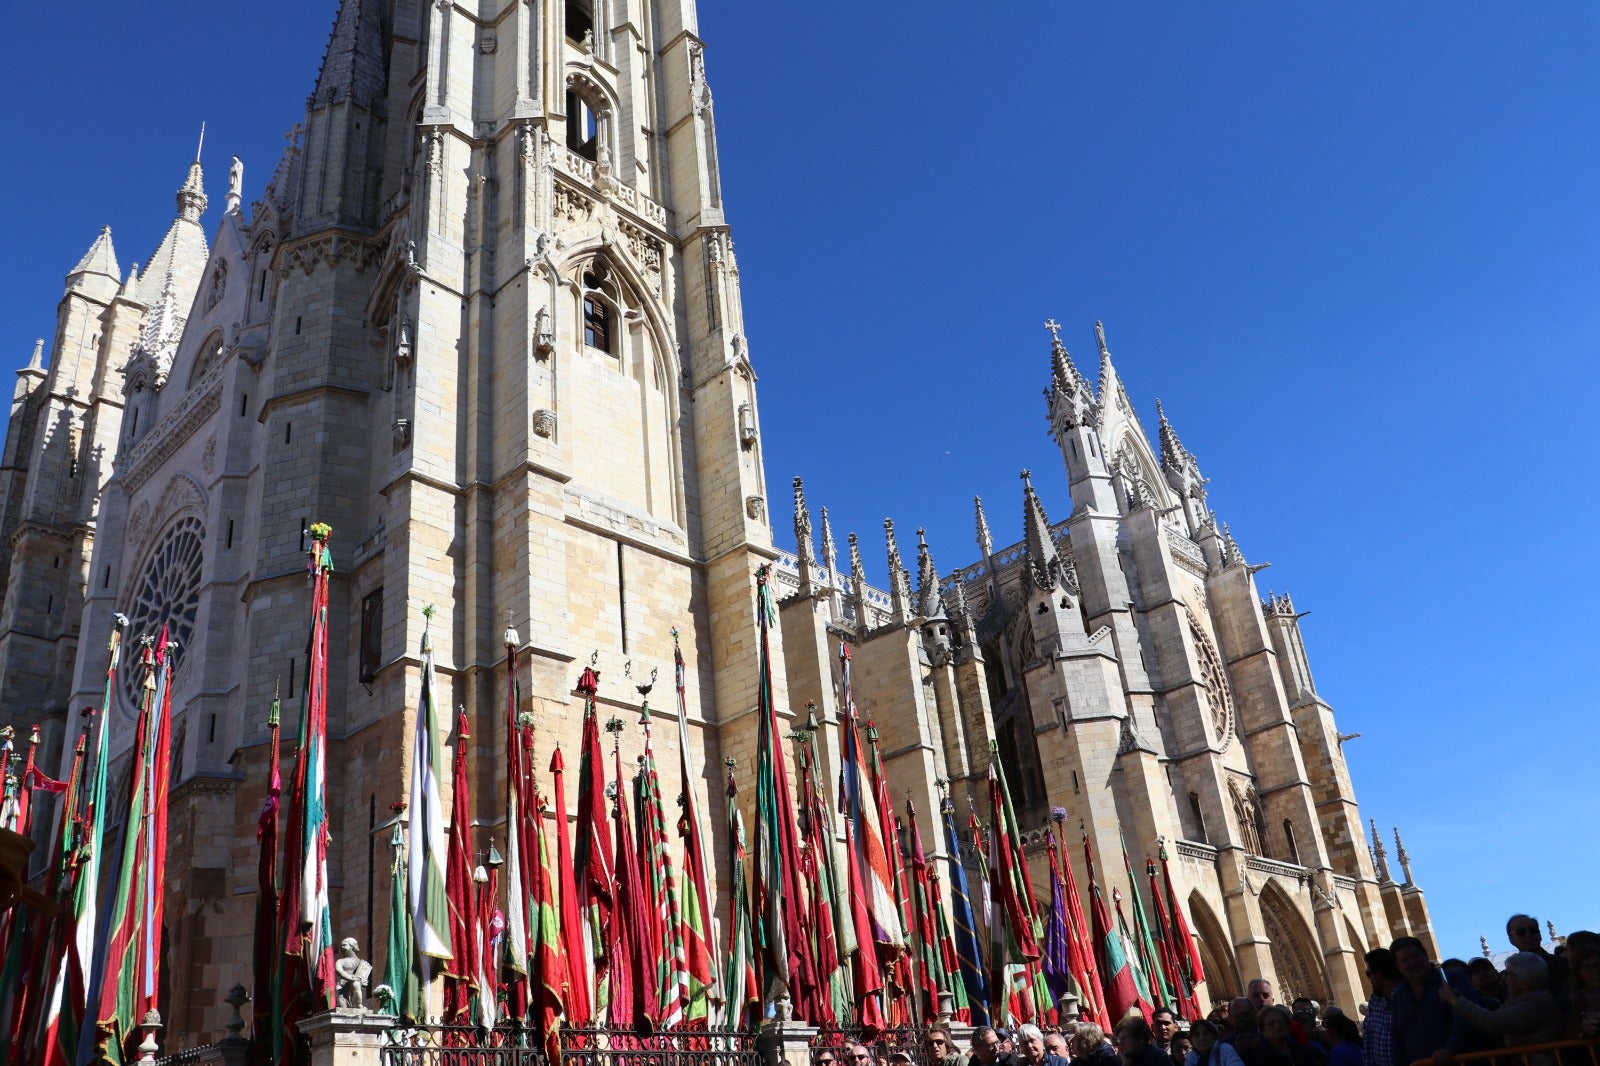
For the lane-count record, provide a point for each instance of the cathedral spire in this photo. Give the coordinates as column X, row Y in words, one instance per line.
column 899, row 579
column 1067, row 400
column 930, row 603
column 36, row 361
column 1110, row 383
column 101, row 258
column 1231, row 555
column 985, row 539
column 192, row 194
column 1043, row 563
column 353, row 66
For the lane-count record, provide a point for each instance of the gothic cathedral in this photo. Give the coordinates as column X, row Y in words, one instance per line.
column 485, row 322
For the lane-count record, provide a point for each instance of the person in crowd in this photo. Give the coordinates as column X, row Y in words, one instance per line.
column 1136, row 1043
column 1209, row 1050
column 988, row 1049
column 824, row 1056
column 1219, row 1018
column 1031, row 1048
column 1377, row 1038
column 1529, row 1015
column 1523, row 932
column 941, row 1046
column 1304, row 1012
column 1277, row 1046
column 1056, row 1044
column 1163, row 1027
column 1455, row 970
column 1008, row 1042
column 1485, row 981
column 1346, row 1037
column 856, row 1054
column 1242, row 1036
column 1182, row 1044
column 1090, row 1047
column 1583, row 988
column 1423, row 1022
column 1260, row 993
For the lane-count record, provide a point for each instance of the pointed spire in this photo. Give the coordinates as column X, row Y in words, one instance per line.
column 961, row 612
column 804, row 549
column 1043, row 562
column 1067, row 399
column 858, row 584
column 353, row 67
column 1405, row 860
column 1380, row 855
column 101, row 258
column 1231, row 555
column 985, row 539
column 1172, row 450
column 899, row 578
column 830, row 554
column 930, row 603
column 36, row 361
column 192, row 195
column 1110, row 384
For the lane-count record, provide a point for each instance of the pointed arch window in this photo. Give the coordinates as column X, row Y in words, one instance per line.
column 583, row 126
column 599, row 309
column 580, row 20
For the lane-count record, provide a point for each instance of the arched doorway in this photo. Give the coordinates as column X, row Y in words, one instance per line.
column 1295, row 956
column 1222, row 976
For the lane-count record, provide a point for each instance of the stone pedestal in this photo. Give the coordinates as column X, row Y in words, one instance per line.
column 782, row 1043
column 347, row 1037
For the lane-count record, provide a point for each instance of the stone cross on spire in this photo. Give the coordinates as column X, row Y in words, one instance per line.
column 1054, row 328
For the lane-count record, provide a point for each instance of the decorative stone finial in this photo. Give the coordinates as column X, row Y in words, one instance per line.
column 237, row 998
column 985, row 539
column 1380, row 855
column 1044, row 564
column 1405, row 860
column 899, row 578
column 1483, row 940
column 930, row 602
column 802, row 527
column 830, row 554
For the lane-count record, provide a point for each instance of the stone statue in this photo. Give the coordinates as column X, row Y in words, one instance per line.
column 236, row 178
column 353, row 972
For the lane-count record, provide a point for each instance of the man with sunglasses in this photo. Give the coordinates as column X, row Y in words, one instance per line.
column 1523, row 932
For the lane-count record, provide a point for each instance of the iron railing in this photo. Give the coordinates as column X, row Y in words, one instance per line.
column 447, row 1045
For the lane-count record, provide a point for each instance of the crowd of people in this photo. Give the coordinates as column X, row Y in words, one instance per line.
column 1418, row 1012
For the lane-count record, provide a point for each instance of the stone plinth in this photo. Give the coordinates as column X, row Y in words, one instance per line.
column 347, row 1037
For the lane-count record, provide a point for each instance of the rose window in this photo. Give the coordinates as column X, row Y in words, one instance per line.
column 168, row 593
column 1214, row 681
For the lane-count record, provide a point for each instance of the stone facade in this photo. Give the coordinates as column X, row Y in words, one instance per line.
column 485, row 321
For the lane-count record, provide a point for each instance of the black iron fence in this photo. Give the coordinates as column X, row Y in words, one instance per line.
column 444, row 1045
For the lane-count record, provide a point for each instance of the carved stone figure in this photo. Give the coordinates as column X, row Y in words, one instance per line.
column 353, row 973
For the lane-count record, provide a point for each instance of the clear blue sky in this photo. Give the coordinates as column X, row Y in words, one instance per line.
column 1354, row 248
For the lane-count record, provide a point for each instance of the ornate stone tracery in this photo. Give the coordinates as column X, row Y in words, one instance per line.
column 1213, row 680
column 167, row 593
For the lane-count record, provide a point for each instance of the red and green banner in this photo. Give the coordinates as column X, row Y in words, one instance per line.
column 661, row 888
column 520, row 858
column 1183, row 943
column 705, row 991
column 1122, row 993
column 634, row 999
column 739, row 975
column 593, row 866
column 579, row 1008
column 933, row 975
column 973, row 987
column 133, row 956
column 1168, row 948
column 784, row 961
column 267, row 957
column 464, row 1000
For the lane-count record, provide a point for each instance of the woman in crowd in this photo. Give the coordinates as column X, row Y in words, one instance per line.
column 1208, row 1051
column 1346, row 1034
column 1277, row 1047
